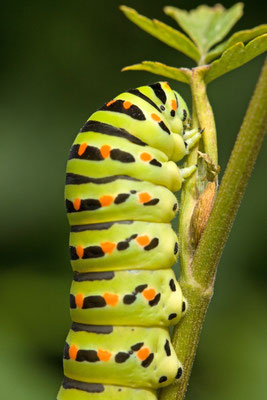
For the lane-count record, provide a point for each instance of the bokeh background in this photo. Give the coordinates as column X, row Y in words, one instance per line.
column 61, row 60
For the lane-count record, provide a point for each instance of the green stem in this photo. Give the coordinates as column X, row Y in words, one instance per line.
column 199, row 290
column 204, row 112
column 233, row 185
column 187, row 204
column 202, row 116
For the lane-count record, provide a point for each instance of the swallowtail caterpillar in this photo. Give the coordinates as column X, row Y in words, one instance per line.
column 121, row 174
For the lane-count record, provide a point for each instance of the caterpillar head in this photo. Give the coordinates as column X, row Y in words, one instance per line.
column 171, row 105
column 175, row 109
column 182, row 110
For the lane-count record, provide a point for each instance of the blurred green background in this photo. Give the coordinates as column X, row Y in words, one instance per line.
column 61, row 60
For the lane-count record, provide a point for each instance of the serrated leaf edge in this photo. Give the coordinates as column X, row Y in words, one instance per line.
column 225, row 53
column 189, row 14
column 219, row 49
column 191, row 49
column 183, row 74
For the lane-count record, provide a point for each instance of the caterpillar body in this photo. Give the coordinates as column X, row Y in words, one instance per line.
column 121, row 174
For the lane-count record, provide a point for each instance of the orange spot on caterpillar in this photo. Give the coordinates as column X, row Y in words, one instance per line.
column 149, row 294
column 106, row 200
column 145, row 156
column 142, row 240
column 107, row 247
column 174, row 104
column 79, row 300
column 111, row 298
column 155, row 117
column 79, row 251
column 144, row 197
column 77, row 204
column 105, row 150
column 127, row 104
column 110, row 102
column 166, row 85
column 82, row 148
column 73, row 350
column 104, row 355
column 143, row 353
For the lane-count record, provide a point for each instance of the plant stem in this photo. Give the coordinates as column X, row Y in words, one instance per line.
column 187, row 204
column 233, row 185
column 198, row 290
column 204, row 112
column 202, row 116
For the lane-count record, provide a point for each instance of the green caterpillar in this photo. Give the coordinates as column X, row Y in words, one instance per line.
column 121, row 174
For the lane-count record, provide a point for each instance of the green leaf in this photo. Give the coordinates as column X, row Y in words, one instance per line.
column 163, row 32
column 241, row 36
column 206, row 25
column 179, row 74
column 236, row 56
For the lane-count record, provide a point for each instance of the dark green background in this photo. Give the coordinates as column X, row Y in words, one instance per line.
column 61, row 60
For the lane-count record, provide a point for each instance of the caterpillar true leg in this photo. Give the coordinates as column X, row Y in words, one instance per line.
column 187, row 171
column 120, row 177
column 191, row 138
column 189, row 133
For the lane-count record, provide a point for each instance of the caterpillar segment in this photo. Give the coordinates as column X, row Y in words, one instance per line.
column 72, row 389
column 142, row 355
column 121, row 174
column 138, row 302
column 122, row 244
column 131, row 159
column 90, row 202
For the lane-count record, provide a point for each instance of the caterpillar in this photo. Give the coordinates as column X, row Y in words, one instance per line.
column 121, row 175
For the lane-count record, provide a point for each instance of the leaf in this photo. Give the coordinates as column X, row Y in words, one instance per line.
column 179, row 74
column 241, row 36
column 163, row 32
column 236, row 56
column 206, row 25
